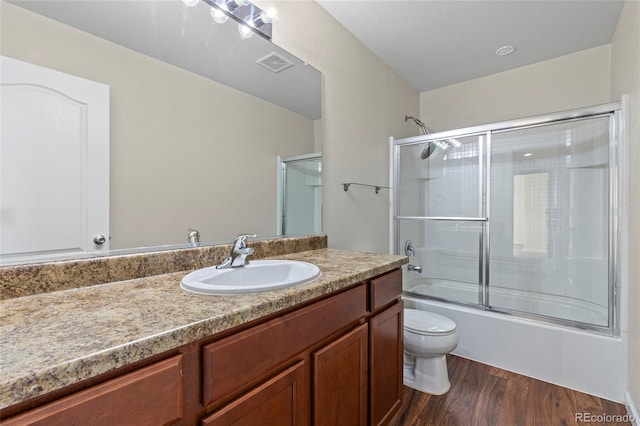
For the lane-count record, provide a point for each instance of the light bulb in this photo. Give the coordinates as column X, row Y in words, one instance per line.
column 272, row 14
column 218, row 15
column 258, row 19
column 245, row 31
column 191, row 3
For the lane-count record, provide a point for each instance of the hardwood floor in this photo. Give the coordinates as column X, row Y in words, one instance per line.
column 484, row 395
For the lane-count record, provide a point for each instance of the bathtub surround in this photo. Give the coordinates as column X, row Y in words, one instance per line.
column 574, row 265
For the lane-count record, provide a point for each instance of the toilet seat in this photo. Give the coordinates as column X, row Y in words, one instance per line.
column 427, row 323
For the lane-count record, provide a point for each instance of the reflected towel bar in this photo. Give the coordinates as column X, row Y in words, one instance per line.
column 377, row 187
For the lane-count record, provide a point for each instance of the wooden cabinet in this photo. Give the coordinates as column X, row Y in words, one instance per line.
column 340, row 381
column 336, row 361
column 384, row 290
column 277, row 402
column 245, row 358
column 152, row 395
column 349, row 351
column 385, row 368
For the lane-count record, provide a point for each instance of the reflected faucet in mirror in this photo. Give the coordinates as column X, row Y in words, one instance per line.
column 193, row 237
column 239, row 253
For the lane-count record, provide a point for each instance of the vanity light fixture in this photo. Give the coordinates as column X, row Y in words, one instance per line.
column 250, row 18
column 231, row 5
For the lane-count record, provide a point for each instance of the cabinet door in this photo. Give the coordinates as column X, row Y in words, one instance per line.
column 340, row 381
column 385, row 371
column 265, row 347
column 150, row 396
column 279, row 402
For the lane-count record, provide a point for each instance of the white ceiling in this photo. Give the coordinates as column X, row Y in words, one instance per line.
column 432, row 43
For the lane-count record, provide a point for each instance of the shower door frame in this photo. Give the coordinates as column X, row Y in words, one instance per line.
column 614, row 111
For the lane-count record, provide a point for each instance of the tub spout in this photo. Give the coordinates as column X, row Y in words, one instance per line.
column 415, row 268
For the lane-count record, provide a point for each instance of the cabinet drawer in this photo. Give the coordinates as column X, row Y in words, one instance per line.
column 152, row 395
column 235, row 361
column 385, row 289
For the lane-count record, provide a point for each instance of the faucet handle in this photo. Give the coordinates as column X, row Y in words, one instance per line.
column 408, row 248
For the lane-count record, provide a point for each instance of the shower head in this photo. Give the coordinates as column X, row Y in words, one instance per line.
column 418, row 122
column 429, row 147
column 428, row 150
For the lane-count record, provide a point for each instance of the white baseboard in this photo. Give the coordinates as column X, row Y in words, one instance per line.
column 631, row 409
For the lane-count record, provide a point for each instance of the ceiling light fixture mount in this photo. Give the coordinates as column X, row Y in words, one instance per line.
column 505, row 50
column 250, row 18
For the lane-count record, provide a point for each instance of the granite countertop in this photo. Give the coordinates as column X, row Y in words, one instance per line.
column 52, row 340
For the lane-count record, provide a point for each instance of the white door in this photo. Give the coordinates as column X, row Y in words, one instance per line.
column 54, row 164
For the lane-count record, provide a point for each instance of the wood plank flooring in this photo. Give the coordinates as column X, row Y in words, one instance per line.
column 484, row 395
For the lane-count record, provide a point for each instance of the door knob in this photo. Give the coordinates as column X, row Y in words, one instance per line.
column 99, row 239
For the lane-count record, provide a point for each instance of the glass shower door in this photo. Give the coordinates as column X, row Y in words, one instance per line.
column 301, row 201
column 549, row 208
column 441, row 217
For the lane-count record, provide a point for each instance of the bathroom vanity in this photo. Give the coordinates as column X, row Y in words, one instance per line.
column 313, row 354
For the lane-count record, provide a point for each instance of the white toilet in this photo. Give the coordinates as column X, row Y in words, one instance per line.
column 428, row 338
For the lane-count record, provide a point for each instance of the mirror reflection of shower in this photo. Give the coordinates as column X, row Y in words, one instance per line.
column 430, row 147
column 300, row 194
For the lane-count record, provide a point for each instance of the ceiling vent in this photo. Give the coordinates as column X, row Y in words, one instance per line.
column 275, row 62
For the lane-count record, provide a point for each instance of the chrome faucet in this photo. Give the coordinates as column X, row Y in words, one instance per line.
column 410, row 251
column 415, row 268
column 239, row 253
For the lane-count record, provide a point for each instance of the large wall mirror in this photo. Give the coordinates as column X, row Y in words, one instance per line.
column 196, row 124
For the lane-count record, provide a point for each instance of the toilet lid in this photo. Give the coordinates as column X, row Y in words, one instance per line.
column 423, row 322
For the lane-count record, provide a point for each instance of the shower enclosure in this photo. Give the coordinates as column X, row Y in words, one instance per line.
column 517, row 217
column 300, row 194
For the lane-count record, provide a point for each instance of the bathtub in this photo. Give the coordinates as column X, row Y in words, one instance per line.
column 547, row 305
column 579, row 360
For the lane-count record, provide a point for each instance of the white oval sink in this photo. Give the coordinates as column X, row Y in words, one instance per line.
column 258, row 275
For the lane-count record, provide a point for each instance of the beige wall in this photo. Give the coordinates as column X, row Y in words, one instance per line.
column 625, row 79
column 576, row 80
column 185, row 151
column 364, row 103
